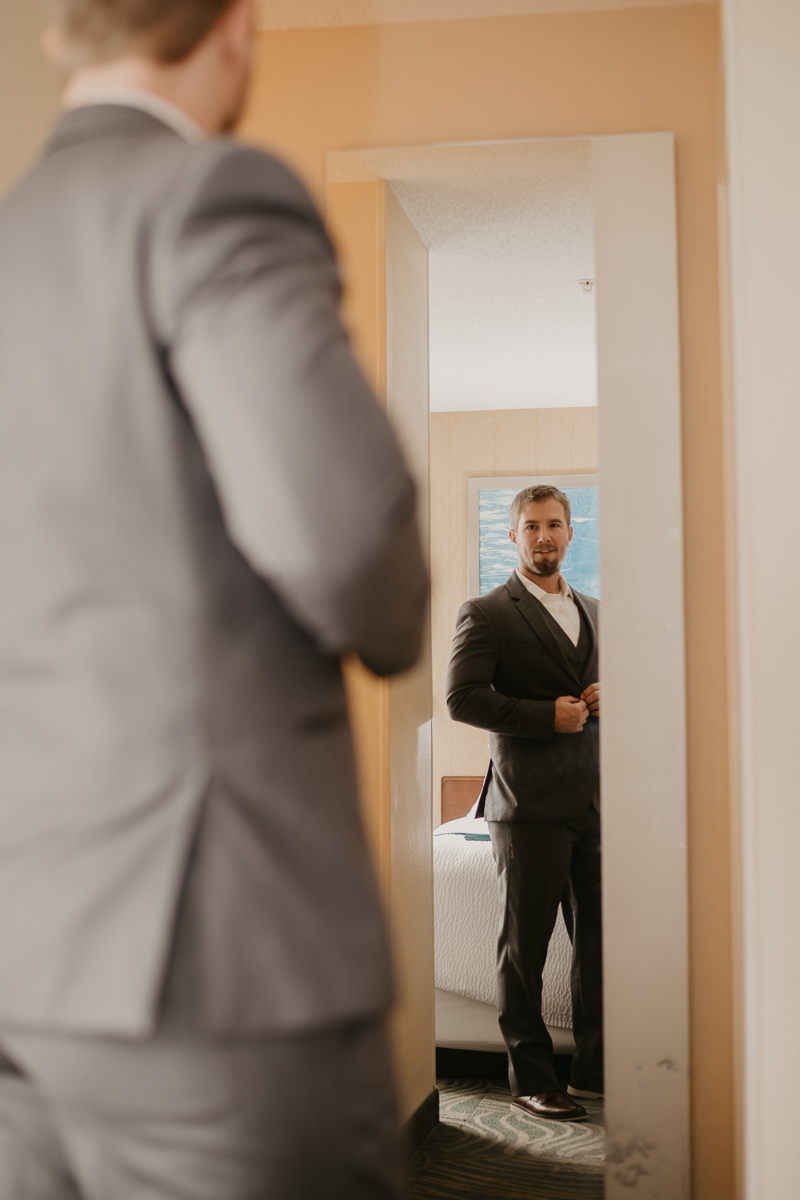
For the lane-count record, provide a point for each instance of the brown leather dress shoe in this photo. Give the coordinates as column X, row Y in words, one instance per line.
column 552, row 1106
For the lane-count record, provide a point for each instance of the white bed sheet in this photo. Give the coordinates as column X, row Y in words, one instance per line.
column 466, row 919
column 465, row 1024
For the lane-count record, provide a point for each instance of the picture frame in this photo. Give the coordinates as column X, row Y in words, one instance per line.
column 491, row 556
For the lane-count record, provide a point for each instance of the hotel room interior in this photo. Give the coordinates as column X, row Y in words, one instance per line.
column 568, row 238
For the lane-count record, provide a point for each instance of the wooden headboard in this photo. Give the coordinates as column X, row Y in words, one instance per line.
column 459, row 793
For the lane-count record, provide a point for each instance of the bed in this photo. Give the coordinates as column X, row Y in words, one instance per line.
column 466, row 916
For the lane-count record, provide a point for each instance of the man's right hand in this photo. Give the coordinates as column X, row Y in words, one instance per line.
column 571, row 714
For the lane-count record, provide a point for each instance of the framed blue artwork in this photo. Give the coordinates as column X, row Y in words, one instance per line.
column 492, row 555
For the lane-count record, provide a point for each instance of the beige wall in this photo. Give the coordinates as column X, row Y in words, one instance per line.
column 28, row 88
column 357, row 212
column 387, row 316
column 465, row 445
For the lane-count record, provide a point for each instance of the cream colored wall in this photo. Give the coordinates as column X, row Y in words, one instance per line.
column 28, row 88
column 387, row 318
column 538, row 441
column 356, row 213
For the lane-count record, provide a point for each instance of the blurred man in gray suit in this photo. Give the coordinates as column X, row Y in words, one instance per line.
column 201, row 509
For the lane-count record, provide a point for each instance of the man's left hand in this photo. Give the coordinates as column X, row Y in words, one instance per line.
column 591, row 698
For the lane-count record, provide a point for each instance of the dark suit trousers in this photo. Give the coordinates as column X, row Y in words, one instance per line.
column 536, row 862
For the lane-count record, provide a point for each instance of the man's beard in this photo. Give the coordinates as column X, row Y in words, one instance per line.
column 544, row 566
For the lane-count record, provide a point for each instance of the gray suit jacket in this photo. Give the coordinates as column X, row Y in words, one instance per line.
column 508, row 666
column 201, row 508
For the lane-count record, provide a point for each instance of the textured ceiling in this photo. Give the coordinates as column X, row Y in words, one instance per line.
column 509, row 229
column 306, row 14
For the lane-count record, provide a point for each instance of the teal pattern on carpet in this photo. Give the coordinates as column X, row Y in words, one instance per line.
column 482, row 1150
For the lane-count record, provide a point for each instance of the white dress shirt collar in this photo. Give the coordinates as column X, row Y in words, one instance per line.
column 155, row 106
column 560, row 605
column 563, row 588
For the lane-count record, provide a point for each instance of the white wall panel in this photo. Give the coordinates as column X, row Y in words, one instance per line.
column 762, row 53
column 643, row 723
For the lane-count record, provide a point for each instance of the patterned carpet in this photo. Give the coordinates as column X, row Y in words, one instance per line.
column 484, row 1151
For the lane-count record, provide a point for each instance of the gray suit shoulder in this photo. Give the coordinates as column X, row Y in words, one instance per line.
column 232, row 213
column 223, row 177
column 228, row 167
column 494, row 604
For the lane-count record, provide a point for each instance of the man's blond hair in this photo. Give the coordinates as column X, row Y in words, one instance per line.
column 98, row 31
column 533, row 495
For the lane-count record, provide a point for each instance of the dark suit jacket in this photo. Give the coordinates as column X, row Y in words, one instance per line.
column 507, row 669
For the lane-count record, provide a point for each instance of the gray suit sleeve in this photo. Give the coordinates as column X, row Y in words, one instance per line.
column 471, row 698
column 311, row 481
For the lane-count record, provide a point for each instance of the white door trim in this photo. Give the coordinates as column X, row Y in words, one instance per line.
column 643, row 722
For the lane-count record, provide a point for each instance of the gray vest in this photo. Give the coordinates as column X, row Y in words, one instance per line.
column 576, row 656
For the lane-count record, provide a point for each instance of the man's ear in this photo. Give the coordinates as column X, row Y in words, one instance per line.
column 52, row 43
column 237, row 25
column 570, row 531
column 512, row 533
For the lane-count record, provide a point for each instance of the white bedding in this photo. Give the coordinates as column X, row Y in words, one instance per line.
column 466, row 918
column 466, row 1024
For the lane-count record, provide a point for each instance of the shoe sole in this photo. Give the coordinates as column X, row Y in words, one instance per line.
column 571, row 1091
column 517, row 1108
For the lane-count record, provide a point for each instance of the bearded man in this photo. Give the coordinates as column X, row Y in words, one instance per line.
column 524, row 666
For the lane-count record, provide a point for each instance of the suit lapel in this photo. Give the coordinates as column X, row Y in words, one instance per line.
column 588, row 617
column 533, row 612
column 590, row 620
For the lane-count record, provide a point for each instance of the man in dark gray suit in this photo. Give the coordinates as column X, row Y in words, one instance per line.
column 202, row 508
column 524, row 666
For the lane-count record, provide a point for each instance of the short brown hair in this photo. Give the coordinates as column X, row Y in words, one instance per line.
column 532, row 495
column 100, row 30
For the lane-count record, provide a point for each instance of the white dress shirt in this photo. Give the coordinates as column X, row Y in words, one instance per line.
column 560, row 605
column 148, row 102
